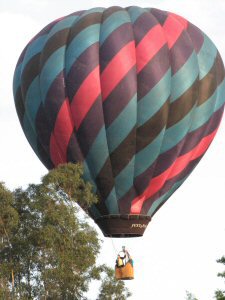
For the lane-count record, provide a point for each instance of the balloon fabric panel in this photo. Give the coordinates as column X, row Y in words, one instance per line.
column 134, row 94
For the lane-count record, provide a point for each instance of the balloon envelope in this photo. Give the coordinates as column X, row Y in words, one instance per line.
column 136, row 94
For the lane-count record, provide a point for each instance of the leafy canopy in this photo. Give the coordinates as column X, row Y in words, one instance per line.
column 47, row 250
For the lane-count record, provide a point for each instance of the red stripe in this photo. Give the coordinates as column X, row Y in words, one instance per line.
column 61, row 135
column 118, row 67
column 86, row 95
column 152, row 42
column 181, row 20
column 176, row 168
column 173, row 27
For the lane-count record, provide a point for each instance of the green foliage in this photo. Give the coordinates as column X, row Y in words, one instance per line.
column 112, row 289
column 8, row 223
column 66, row 181
column 221, row 261
column 220, row 295
column 190, row 296
column 46, row 250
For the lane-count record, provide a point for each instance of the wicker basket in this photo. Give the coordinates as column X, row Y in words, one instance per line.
column 125, row 273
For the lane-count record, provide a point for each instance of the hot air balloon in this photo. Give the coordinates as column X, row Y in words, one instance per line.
column 135, row 94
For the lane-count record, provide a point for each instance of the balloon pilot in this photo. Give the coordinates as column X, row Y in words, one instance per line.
column 124, row 265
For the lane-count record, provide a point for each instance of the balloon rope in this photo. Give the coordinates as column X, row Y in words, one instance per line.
column 113, row 245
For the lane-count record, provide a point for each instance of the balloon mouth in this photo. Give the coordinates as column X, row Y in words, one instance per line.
column 120, row 226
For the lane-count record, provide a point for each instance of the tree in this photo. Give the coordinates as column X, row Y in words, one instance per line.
column 220, row 295
column 190, row 296
column 8, row 221
column 47, row 250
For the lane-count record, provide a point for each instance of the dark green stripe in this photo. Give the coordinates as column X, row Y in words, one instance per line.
column 209, row 83
column 151, row 129
column 183, row 105
column 123, row 154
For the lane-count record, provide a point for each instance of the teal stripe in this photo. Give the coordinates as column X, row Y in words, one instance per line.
column 33, row 100
column 111, row 202
column 17, row 79
column 32, row 104
column 92, row 11
column 206, row 57
column 34, row 48
column 135, row 12
column 63, row 24
column 93, row 164
column 116, row 134
column 184, row 78
column 154, row 100
column 122, row 125
column 177, row 132
column 221, row 96
column 30, row 134
column 124, row 180
column 113, row 22
column 53, row 66
column 98, row 153
column 80, row 43
column 204, row 112
column 165, row 197
column 145, row 158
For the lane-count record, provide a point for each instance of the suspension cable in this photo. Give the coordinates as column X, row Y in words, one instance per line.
column 114, row 247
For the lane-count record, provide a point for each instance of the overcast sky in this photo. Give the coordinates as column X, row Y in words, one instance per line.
column 179, row 249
